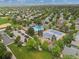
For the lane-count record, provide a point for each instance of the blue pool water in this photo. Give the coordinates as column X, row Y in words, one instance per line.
column 38, row 28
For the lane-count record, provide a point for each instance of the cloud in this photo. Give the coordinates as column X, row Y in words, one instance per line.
column 39, row 1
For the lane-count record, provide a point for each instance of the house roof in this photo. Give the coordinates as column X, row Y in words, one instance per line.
column 70, row 51
column 77, row 20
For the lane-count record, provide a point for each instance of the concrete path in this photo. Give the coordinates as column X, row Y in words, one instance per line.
column 13, row 56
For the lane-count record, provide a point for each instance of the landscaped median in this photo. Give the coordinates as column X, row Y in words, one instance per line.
column 24, row 53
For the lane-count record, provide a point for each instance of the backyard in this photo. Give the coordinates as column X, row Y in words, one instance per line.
column 24, row 53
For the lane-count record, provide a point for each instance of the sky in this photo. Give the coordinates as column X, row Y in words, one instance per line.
column 36, row 2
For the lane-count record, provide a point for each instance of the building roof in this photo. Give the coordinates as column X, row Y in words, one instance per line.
column 70, row 51
column 77, row 20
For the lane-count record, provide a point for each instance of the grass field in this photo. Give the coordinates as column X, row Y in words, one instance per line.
column 24, row 53
column 3, row 21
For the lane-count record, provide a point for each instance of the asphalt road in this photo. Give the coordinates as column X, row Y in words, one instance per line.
column 6, row 39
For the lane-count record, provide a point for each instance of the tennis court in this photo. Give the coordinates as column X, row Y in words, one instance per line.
column 49, row 33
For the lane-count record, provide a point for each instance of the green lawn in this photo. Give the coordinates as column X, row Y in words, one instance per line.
column 24, row 53
column 3, row 21
column 14, row 25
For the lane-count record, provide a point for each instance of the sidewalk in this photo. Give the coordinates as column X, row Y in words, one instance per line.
column 13, row 56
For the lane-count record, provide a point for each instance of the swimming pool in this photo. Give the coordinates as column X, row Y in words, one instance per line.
column 38, row 28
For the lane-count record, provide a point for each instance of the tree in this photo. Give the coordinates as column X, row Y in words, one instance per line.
column 50, row 26
column 65, row 28
column 53, row 37
column 18, row 42
column 30, row 31
column 60, row 43
column 24, row 23
column 11, row 34
column 56, row 51
column 7, row 55
column 45, row 45
column 28, row 22
column 4, row 54
column 17, row 39
column 38, row 41
column 72, row 26
column 8, row 28
column 2, row 50
column 0, row 37
column 68, row 39
column 31, row 43
column 40, row 33
column 37, row 21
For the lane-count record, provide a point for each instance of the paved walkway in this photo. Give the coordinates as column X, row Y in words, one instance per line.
column 7, row 40
column 13, row 56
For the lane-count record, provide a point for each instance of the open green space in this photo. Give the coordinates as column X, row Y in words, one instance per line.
column 14, row 25
column 24, row 53
column 3, row 21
